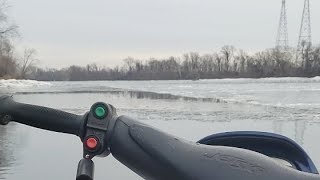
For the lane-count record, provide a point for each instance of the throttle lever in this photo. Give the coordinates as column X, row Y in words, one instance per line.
column 85, row 169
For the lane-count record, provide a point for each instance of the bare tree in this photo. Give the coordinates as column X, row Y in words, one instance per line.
column 243, row 57
column 8, row 31
column 218, row 62
column 227, row 53
column 28, row 60
column 195, row 57
column 129, row 63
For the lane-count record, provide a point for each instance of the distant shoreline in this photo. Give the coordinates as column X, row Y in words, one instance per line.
column 229, row 78
column 228, row 63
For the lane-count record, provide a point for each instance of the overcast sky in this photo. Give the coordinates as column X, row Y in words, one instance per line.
column 66, row 32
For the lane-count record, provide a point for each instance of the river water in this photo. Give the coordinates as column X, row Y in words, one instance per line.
column 189, row 109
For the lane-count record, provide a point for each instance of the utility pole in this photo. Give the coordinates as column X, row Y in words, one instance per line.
column 304, row 41
column 282, row 36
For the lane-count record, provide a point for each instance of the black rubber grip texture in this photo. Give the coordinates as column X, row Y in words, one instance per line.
column 155, row 155
column 40, row 117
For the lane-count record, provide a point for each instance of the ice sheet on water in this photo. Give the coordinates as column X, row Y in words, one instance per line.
column 265, row 80
column 316, row 78
column 23, row 83
column 278, row 92
column 13, row 85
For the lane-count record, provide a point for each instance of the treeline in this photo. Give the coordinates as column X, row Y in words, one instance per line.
column 8, row 62
column 12, row 65
column 227, row 63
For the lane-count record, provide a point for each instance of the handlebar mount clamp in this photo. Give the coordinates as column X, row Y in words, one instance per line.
column 94, row 139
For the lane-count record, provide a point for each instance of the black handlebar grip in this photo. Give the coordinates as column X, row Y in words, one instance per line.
column 40, row 117
column 126, row 150
column 156, row 155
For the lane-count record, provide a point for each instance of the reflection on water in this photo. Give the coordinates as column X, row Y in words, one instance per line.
column 136, row 94
column 300, row 128
column 188, row 117
column 8, row 147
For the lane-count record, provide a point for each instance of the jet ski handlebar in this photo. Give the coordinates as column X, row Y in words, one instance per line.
column 39, row 117
column 149, row 152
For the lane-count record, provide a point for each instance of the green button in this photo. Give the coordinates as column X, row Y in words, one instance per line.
column 100, row 112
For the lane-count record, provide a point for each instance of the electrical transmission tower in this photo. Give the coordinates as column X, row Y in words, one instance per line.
column 305, row 41
column 282, row 36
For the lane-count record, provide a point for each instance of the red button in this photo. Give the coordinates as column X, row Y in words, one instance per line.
column 92, row 143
